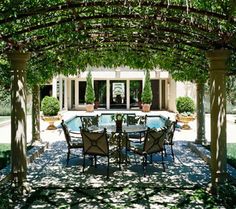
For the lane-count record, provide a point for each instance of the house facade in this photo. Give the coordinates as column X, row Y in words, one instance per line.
column 118, row 88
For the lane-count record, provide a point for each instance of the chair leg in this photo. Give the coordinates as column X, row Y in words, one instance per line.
column 144, row 165
column 83, row 163
column 164, row 147
column 151, row 158
column 172, row 152
column 68, row 156
column 108, row 165
column 95, row 161
column 162, row 160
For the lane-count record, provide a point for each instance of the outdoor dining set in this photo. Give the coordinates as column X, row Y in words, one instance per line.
column 120, row 134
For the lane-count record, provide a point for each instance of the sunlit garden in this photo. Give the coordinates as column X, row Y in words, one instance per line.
column 52, row 51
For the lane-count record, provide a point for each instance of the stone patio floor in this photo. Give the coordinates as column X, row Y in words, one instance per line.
column 55, row 185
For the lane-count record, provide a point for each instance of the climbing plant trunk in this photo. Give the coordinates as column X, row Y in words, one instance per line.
column 18, row 62
column 217, row 67
column 36, row 113
column 201, row 139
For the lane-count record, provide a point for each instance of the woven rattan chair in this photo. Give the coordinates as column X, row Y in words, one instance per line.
column 95, row 144
column 153, row 143
column 73, row 140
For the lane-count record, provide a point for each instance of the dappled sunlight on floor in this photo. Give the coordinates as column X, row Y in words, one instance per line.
column 54, row 184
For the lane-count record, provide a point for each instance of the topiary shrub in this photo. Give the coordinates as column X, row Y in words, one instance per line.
column 185, row 105
column 50, row 106
column 89, row 92
column 147, row 90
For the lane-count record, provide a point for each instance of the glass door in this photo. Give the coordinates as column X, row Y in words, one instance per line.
column 118, row 94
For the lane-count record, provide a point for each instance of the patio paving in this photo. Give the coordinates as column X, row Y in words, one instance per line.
column 55, row 185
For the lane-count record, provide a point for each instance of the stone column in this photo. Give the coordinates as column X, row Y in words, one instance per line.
column 69, row 93
column 76, row 94
column 128, row 94
column 201, row 139
column 217, row 67
column 108, row 95
column 160, row 94
column 18, row 61
column 36, row 113
column 172, row 95
column 65, row 94
column 54, row 87
column 60, row 92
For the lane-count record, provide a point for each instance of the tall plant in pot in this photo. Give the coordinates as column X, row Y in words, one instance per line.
column 89, row 93
column 185, row 107
column 50, row 107
column 147, row 93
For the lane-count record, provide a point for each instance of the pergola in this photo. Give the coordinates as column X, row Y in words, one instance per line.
column 177, row 35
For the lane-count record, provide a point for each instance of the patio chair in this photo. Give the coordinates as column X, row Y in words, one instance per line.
column 73, row 140
column 136, row 120
column 153, row 143
column 170, row 125
column 88, row 121
column 95, row 144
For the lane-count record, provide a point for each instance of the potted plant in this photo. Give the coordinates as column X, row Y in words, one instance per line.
column 185, row 107
column 147, row 93
column 119, row 118
column 89, row 93
column 50, row 107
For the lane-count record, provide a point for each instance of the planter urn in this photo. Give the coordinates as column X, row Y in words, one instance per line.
column 146, row 107
column 185, row 119
column 89, row 107
column 51, row 120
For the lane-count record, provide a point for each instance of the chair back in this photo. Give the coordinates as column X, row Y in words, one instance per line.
column 95, row 143
column 154, row 141
column 88, row 121
column 135, row 120
column 66, row 132
column 170, row 131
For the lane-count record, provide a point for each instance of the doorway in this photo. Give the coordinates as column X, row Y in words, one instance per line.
column 118, row 94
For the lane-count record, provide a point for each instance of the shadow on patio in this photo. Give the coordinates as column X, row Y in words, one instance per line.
column 55, row 185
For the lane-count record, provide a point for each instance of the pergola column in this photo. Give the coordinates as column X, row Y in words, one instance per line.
column 36, row 113
column 128, row 94
column 201, row 139
column 217, row 67
column 18, row 61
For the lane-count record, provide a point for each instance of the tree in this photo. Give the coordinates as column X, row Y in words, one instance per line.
column 89, row 92
column 147, row 90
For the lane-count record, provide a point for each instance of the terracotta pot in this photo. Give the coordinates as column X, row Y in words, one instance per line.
column 51, row 120
column 146, row 107
column 185, row 119
column 89, row 107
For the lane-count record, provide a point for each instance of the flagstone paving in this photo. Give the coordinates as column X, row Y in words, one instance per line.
column 55, row 185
